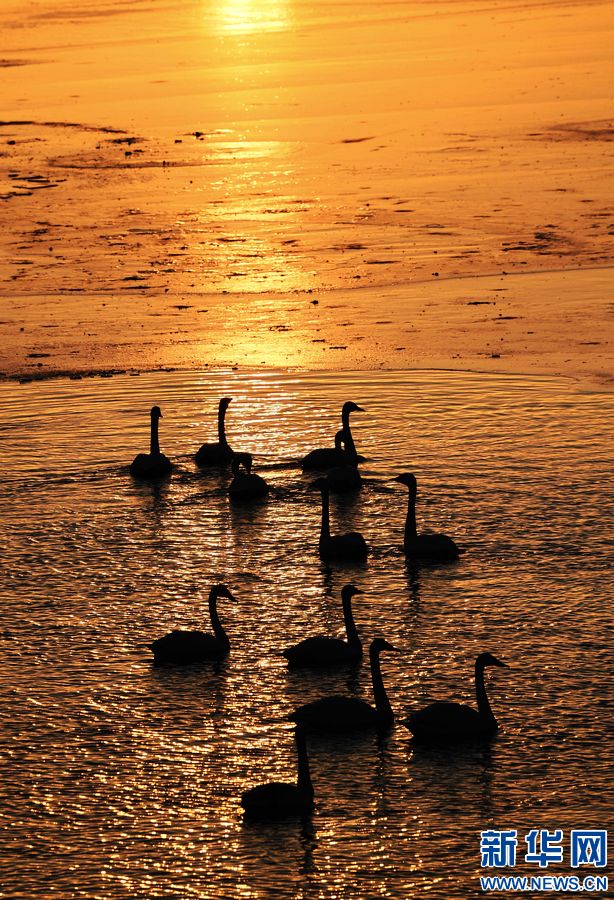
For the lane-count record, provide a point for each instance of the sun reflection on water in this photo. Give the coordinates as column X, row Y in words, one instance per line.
column 240, row 17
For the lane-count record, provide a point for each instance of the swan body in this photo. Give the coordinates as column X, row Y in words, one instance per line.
column 433, row 547
column 153, row 465
column 338, row 713
column 316, row 652
column 445, row 723
column 246, row 485
column 341, row 546
column 328, row 457
column 184, row 648
column 220, row 453
column 277, row 799
column 346, row 477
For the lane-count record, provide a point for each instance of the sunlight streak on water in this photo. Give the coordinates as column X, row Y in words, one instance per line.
column 124, row 781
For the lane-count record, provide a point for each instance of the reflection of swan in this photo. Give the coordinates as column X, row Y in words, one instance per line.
column 349, row 713
column 346, row 477
column 245, row 485
column 182, row 648
column 453, row 722
column 327, row 651
column 277, row 799
column 152, row 465
column 218, row 454
column 436, row 547
column 340, row 546
column 326, row 457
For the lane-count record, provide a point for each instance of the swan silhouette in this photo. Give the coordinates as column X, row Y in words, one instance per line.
column 153, row 465
column 444, row 723
column 340, row 546
column 327, row 457
column 277, row 799
column 434, row 547
column 339, row 713
column 314, row 652
column 183, row 648
column 246, row 485
column 220, row 453
column 346, row 477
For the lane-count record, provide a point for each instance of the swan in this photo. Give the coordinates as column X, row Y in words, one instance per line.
column 327, row 457
column 452, row 722
column 349, row 713
column 154, row 464
column 346, row 477
column 327, row 651
column 277, row 799
column 246, row 485
column 341, row 546
column 435, row 547
column 218, row 454
column 183, row 648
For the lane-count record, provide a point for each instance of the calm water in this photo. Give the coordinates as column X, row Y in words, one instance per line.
column 123, row 782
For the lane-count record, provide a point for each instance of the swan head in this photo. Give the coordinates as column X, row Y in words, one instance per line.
column 409, row 480
column 380, row 644
column 350, row 407
column 339, row 440
column 156, row 412
column 241, row 459
column 225, row 402
column 487, row 659
column 348, row 591
column 220, row 590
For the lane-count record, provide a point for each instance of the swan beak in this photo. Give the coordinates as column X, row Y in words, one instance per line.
column 358, row 408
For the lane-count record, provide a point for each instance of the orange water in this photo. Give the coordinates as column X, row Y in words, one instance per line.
column 121, row 781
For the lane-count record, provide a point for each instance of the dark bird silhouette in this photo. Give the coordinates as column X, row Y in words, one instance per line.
column 277, row 799
column 183, row 648
column 246, row 485
column 218, row 454
column 327, row 457
column 338, row 713
column 434, row 547
column 444, row 723
column 153, row 465
column 315, row 652
column 341, row 546
column 342, row 479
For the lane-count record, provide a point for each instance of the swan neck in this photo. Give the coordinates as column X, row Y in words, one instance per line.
column 411, row 532
column 154, row 441
column 325, row 527
column 304, row 775
column 221, row 426
column 350, row 625
column 215, row 620
column 382, row 703
column 348, row 440
column 480, row 692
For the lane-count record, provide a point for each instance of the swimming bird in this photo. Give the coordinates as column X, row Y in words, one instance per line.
column 434, row 547
column 246, row 485
column 314, row 652
column 339, row 713
column 327, row 457
column 277, row 799
column 153, row 465
column 183, row 648
column 220, row 453
column 454, row 722
column 346, row 477
column 340, row 546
